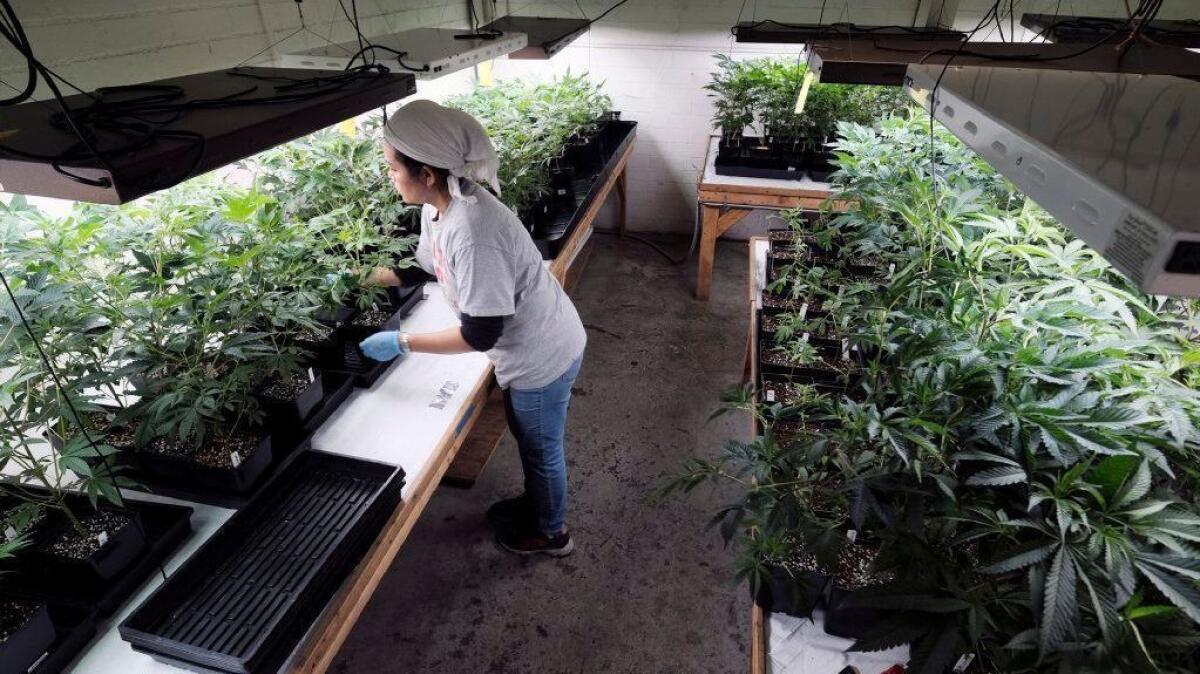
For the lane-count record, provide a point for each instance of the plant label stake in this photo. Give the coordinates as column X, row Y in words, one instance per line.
column 770, row 395
column 803, row 310
column 312, row 375
column 102, row 538
column 235, row 458
column 845, row 349
column 963, row 662
column 10, row 533
column 852, row 535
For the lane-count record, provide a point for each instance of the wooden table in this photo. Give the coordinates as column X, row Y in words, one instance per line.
column 475, row 453
column 724, row 200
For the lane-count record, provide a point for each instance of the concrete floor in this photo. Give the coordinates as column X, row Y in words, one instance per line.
column 648, row 588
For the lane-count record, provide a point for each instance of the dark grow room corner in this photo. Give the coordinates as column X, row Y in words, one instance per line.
column 648, row 588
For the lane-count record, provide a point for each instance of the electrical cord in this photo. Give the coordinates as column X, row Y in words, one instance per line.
column 606, row 12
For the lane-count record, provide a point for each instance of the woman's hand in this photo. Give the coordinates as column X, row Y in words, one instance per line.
column 384, row 346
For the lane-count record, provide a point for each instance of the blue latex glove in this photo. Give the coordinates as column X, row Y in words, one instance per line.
column 383, row 346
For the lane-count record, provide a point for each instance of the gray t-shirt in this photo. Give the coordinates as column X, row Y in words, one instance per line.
column 487, row 265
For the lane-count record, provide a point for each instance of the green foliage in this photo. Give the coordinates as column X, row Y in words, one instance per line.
column 531, row 125
column 1020, row 443
column 763, row 93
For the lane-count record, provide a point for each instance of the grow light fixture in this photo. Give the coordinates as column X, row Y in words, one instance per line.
column 156, row 135
column 779, row 32
column 547, row 36
column 1178, row 33
column 1111, row 155
column 427, row 53
column 884, row 61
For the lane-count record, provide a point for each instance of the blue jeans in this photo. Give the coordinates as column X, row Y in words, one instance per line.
column 538, row 421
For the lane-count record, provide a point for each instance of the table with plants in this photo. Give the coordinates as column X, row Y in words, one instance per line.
column 768, row 156
column 200, row 468
column 975, row 442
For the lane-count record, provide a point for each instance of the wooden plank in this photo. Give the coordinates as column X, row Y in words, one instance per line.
column 714, row 196
column 480, row 444
column 782, row 190
column 559, row 266
column 575, row 272
column 343, row 611
column 758, row 639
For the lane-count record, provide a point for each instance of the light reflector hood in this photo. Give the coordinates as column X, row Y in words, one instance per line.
column 428, row 52
column 1112, row 156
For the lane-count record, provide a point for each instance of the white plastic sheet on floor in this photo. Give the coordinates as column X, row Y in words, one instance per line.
column 801, row 646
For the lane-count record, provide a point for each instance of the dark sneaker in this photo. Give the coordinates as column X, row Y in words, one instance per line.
column 523, row 542
column 513, row 512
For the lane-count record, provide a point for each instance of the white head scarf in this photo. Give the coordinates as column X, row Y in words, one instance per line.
column 444, row 138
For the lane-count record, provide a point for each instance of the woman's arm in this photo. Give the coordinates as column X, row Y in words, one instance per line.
column 446, row 342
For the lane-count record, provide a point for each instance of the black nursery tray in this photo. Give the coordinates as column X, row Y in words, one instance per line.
column 74, row 628
column 165, row 527
column 593, row 164
column 242, row 602
column 751, row 161
column 342, row 355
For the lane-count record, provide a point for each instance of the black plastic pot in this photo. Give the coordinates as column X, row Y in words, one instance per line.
column 118, row 552
column 336, row 318
column 819, row 164
column 76, row 601
column 844, row 619
column 28, row 643
column 805, row 374
column 293, row 412
column 782, row 592
column 243, row 601
column 74, row 628
column 242, row 477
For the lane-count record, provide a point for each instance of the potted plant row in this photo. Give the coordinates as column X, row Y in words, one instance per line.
column 761, row 94
column 1016, row 459
column 556, row 141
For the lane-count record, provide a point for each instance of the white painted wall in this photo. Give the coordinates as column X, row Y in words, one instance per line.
column 655, row 55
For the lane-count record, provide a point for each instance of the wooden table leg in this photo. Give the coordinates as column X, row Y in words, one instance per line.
column 709, row 215
column 623, row 208
column 713, row 223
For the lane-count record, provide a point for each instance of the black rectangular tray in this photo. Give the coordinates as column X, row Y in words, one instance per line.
column 166, row 527
column 75, row 628
column 611, row 140
column 243, row 601
column 343, row 356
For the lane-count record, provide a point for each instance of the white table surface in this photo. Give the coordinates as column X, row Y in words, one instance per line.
column 711, row 178
column 393, row 422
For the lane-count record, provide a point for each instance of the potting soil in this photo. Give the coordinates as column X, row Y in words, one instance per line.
column 14, row 614
column 218, row 453
column 97, row 526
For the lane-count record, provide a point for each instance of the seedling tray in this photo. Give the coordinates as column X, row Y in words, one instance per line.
column 165, row 527
column 608, row 144
column 243, row 601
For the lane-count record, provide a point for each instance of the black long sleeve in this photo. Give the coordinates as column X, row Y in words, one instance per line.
column 481, row 332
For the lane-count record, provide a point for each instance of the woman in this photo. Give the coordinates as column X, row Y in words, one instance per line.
column 509, row 305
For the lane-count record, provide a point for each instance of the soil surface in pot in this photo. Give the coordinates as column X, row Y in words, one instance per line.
column 114, row 434
column 14, row 614
column 785, row 392
column 773, row 301
column 372, row 318
column 218, row 453
column 314, row 336
column 72, row 544
column 854, row 570
column 782, row 359
column 288, row 387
